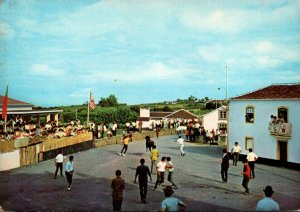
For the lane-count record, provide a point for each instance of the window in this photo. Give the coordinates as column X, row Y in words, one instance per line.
column 283, row 114
column 249, row 143
column 222, row 114
column 222, row 126
column 249, row 114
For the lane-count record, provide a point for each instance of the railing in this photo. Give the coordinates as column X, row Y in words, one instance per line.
column 280, row 129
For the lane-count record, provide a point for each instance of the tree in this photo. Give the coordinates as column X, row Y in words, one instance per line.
column 110, row 101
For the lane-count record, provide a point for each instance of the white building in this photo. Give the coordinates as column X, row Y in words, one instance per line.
column 215, row 120
column 250, row 123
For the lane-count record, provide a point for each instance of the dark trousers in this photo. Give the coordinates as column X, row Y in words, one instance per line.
column 69, row 178
column 235, row 158
column 170, row 178
column 224, row 173
column 160, row 179
column 58, row 166
column 125, row 147
column 143, row 190
column 117, row 204
column 252, row 166
column 245, row 183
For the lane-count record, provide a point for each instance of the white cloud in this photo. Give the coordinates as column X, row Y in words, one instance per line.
column 149, row 72
column 6, row 30
column 46, row 71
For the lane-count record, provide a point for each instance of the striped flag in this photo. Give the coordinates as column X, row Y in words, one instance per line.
column 92, row 102
column 5, row 103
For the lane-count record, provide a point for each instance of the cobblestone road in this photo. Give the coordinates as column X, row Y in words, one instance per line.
column 197, row 174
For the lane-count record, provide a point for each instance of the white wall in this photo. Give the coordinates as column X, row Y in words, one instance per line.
column 144, row 112
column 211, row 120
column 265, row 145
column 10, row 160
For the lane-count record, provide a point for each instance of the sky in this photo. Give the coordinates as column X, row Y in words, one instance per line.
column 54, row 52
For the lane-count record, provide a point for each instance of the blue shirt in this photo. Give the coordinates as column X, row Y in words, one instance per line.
column 69, row 166
column 267, row 204
column 171, row 204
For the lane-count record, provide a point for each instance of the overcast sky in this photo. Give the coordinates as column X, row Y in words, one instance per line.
column 52, row 52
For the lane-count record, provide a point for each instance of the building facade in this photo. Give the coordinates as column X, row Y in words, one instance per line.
column 268, row 121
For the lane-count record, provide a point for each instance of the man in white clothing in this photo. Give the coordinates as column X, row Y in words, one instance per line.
column 59, row 160
column 267, row 203
column 160, row 170
column 252, row 157
column 236, row 150
column 181, row 143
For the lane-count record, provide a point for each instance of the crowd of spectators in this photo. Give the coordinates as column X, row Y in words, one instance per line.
column 17, row 127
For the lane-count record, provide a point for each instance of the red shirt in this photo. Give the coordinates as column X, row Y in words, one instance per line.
column 246, row 170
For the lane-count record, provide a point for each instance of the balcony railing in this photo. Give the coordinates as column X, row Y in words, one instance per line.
column 280, row 129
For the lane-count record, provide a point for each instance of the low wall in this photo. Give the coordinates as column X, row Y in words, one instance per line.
column 136, row 137
column 48, row 149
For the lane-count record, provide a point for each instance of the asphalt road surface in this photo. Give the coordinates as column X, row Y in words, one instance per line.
column 197, row 174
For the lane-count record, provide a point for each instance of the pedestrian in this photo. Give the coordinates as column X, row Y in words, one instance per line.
column 236, row 151
column 170, row 169
column 59, row 160
column 126, row 140
column 160, row 171
column 154, row 154
column 224, row 166
column 117, row 185
column 252, row 157
column 267, row 203
column 143, row 172
column 69, row 171
column 171, row 203
column 181, row 143
column 246, row 176
column 157, row 131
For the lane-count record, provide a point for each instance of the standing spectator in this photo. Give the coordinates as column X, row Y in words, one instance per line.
column 59, row 160
column 187, row 133
column 114, row 129
column 246, row 176
column 171, row 203
column 252, row 157
column 127, row 127
column 126, row 140
column 117, row 185
column 143, row 172
column 181, row 143
column 170, row 169
column 157, row 131
column 236, row 151
column 69, row 171
column 160, row 170
column 140, row 125
column 224, row 166
column 267, row 203
column 154, row 154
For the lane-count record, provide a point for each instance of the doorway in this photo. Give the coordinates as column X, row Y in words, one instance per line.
column 283, row 152
column 283, row 113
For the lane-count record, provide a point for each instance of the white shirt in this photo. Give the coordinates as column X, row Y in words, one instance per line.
column 180, row 141
column 267, row 204
column 169, row 163
column 161, row 166
column 237, row 149
column 252, row 157
column 59, row 158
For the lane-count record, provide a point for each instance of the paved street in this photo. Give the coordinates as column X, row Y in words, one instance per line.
column 197, row 174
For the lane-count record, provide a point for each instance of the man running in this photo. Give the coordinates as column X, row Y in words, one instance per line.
column 181, row 143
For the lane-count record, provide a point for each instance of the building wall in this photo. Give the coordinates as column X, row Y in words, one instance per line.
column 265, row 145
column 211, row 120
column 10, row 160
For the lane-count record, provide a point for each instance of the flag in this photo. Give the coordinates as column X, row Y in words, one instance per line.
column 92, row 102
column 5, row 103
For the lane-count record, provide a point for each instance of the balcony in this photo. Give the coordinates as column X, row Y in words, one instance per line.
column 281, row 130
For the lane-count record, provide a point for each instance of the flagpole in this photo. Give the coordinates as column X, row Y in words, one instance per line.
column 5, row 120
column 88, row 114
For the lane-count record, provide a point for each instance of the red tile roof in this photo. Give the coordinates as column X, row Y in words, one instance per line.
column 280, row 91
column 155, row 114
column 182, row 114
column 13, row 102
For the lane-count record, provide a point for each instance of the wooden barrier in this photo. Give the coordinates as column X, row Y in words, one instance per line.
column 7, row 146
